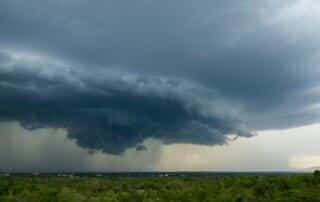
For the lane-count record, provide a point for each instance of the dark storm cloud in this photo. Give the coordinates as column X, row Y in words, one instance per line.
column 112, row 112
column 117, row 72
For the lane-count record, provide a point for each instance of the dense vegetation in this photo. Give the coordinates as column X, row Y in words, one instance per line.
column 147, row 189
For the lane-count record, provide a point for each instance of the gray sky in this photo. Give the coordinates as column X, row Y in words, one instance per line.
column 122, row 80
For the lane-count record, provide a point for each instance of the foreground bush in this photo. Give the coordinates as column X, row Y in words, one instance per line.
column 167, row 189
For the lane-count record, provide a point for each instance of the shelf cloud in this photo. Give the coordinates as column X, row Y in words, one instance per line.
column 115, row 73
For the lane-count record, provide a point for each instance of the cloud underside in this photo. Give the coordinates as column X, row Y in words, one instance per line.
column 114, row 113
column 117, row 73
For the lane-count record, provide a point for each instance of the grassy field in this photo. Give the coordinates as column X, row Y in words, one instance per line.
column 304, row 188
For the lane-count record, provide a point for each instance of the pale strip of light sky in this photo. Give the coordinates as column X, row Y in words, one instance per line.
column 51, row 150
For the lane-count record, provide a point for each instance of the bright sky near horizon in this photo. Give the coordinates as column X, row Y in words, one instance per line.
column 46, row 150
